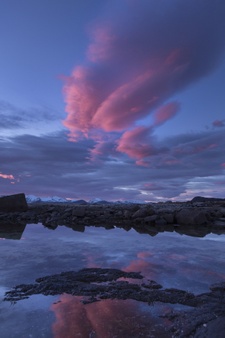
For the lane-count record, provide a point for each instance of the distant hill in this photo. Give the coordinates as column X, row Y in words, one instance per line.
column 206, row 199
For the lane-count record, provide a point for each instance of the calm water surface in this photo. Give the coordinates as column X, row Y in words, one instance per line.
column 170, row 259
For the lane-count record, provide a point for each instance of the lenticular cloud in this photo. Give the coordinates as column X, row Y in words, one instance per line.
column 140, row 55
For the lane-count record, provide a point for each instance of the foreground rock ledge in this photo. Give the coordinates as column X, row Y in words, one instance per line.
column 205, row 316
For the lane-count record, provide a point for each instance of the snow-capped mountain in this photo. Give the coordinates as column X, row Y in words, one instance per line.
column 57, row 199
column 53, row 199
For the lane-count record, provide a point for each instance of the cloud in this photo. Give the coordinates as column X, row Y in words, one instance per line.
column 7, row 177
column 138, row 144
column 50, row 165
column 166, row 112
column 219, row 123
column 139, row 56
column 17, row 119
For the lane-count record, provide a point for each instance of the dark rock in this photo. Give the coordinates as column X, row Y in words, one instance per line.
column 193, row 216
column 143, row 212
column 215, row 328
column 150, row 219
column 13, row 203
column 79, row 211
column 169, row 217
column 152, row 285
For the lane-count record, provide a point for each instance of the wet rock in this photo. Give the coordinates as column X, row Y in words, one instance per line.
column 13, row 203
column 152, row 285
column 215, row 328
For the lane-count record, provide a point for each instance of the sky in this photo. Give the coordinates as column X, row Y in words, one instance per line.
column 120, row 100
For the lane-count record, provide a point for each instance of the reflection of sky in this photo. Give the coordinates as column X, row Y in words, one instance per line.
column 170, row 259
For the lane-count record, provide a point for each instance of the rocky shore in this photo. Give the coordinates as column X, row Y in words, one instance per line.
column 195, row 218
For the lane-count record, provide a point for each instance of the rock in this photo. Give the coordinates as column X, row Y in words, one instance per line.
column 143, row 212
column 160, row 221
column 13, row 203
column 192, row 216
column 152, row 285
column 150, row 219
column 218, row 286
column 169, row 218
column 215, row 328
column 79, row 211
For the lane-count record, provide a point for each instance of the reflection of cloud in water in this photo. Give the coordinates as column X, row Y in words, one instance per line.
column 107, row 318
column 142, row 264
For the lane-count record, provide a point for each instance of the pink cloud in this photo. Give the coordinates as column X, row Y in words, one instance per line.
column 7, row 177
column 166, row 112
column 223, row 165
column 138, row 59
column 81, row 101
column 136, row 143
column 101, row 48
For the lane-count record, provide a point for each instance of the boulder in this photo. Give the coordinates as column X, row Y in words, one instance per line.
column 143, row 212
column 192, row 216
column 13, row 203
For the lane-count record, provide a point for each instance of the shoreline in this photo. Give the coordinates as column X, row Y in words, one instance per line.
column 190, row 218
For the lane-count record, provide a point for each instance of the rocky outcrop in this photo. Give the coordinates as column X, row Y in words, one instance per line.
column 13, row 203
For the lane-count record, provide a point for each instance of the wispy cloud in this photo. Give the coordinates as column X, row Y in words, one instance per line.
column 12, row 118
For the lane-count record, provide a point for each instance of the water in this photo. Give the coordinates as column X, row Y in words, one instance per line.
column 173, row 260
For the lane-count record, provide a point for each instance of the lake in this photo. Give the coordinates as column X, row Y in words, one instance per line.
column 171, row 259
